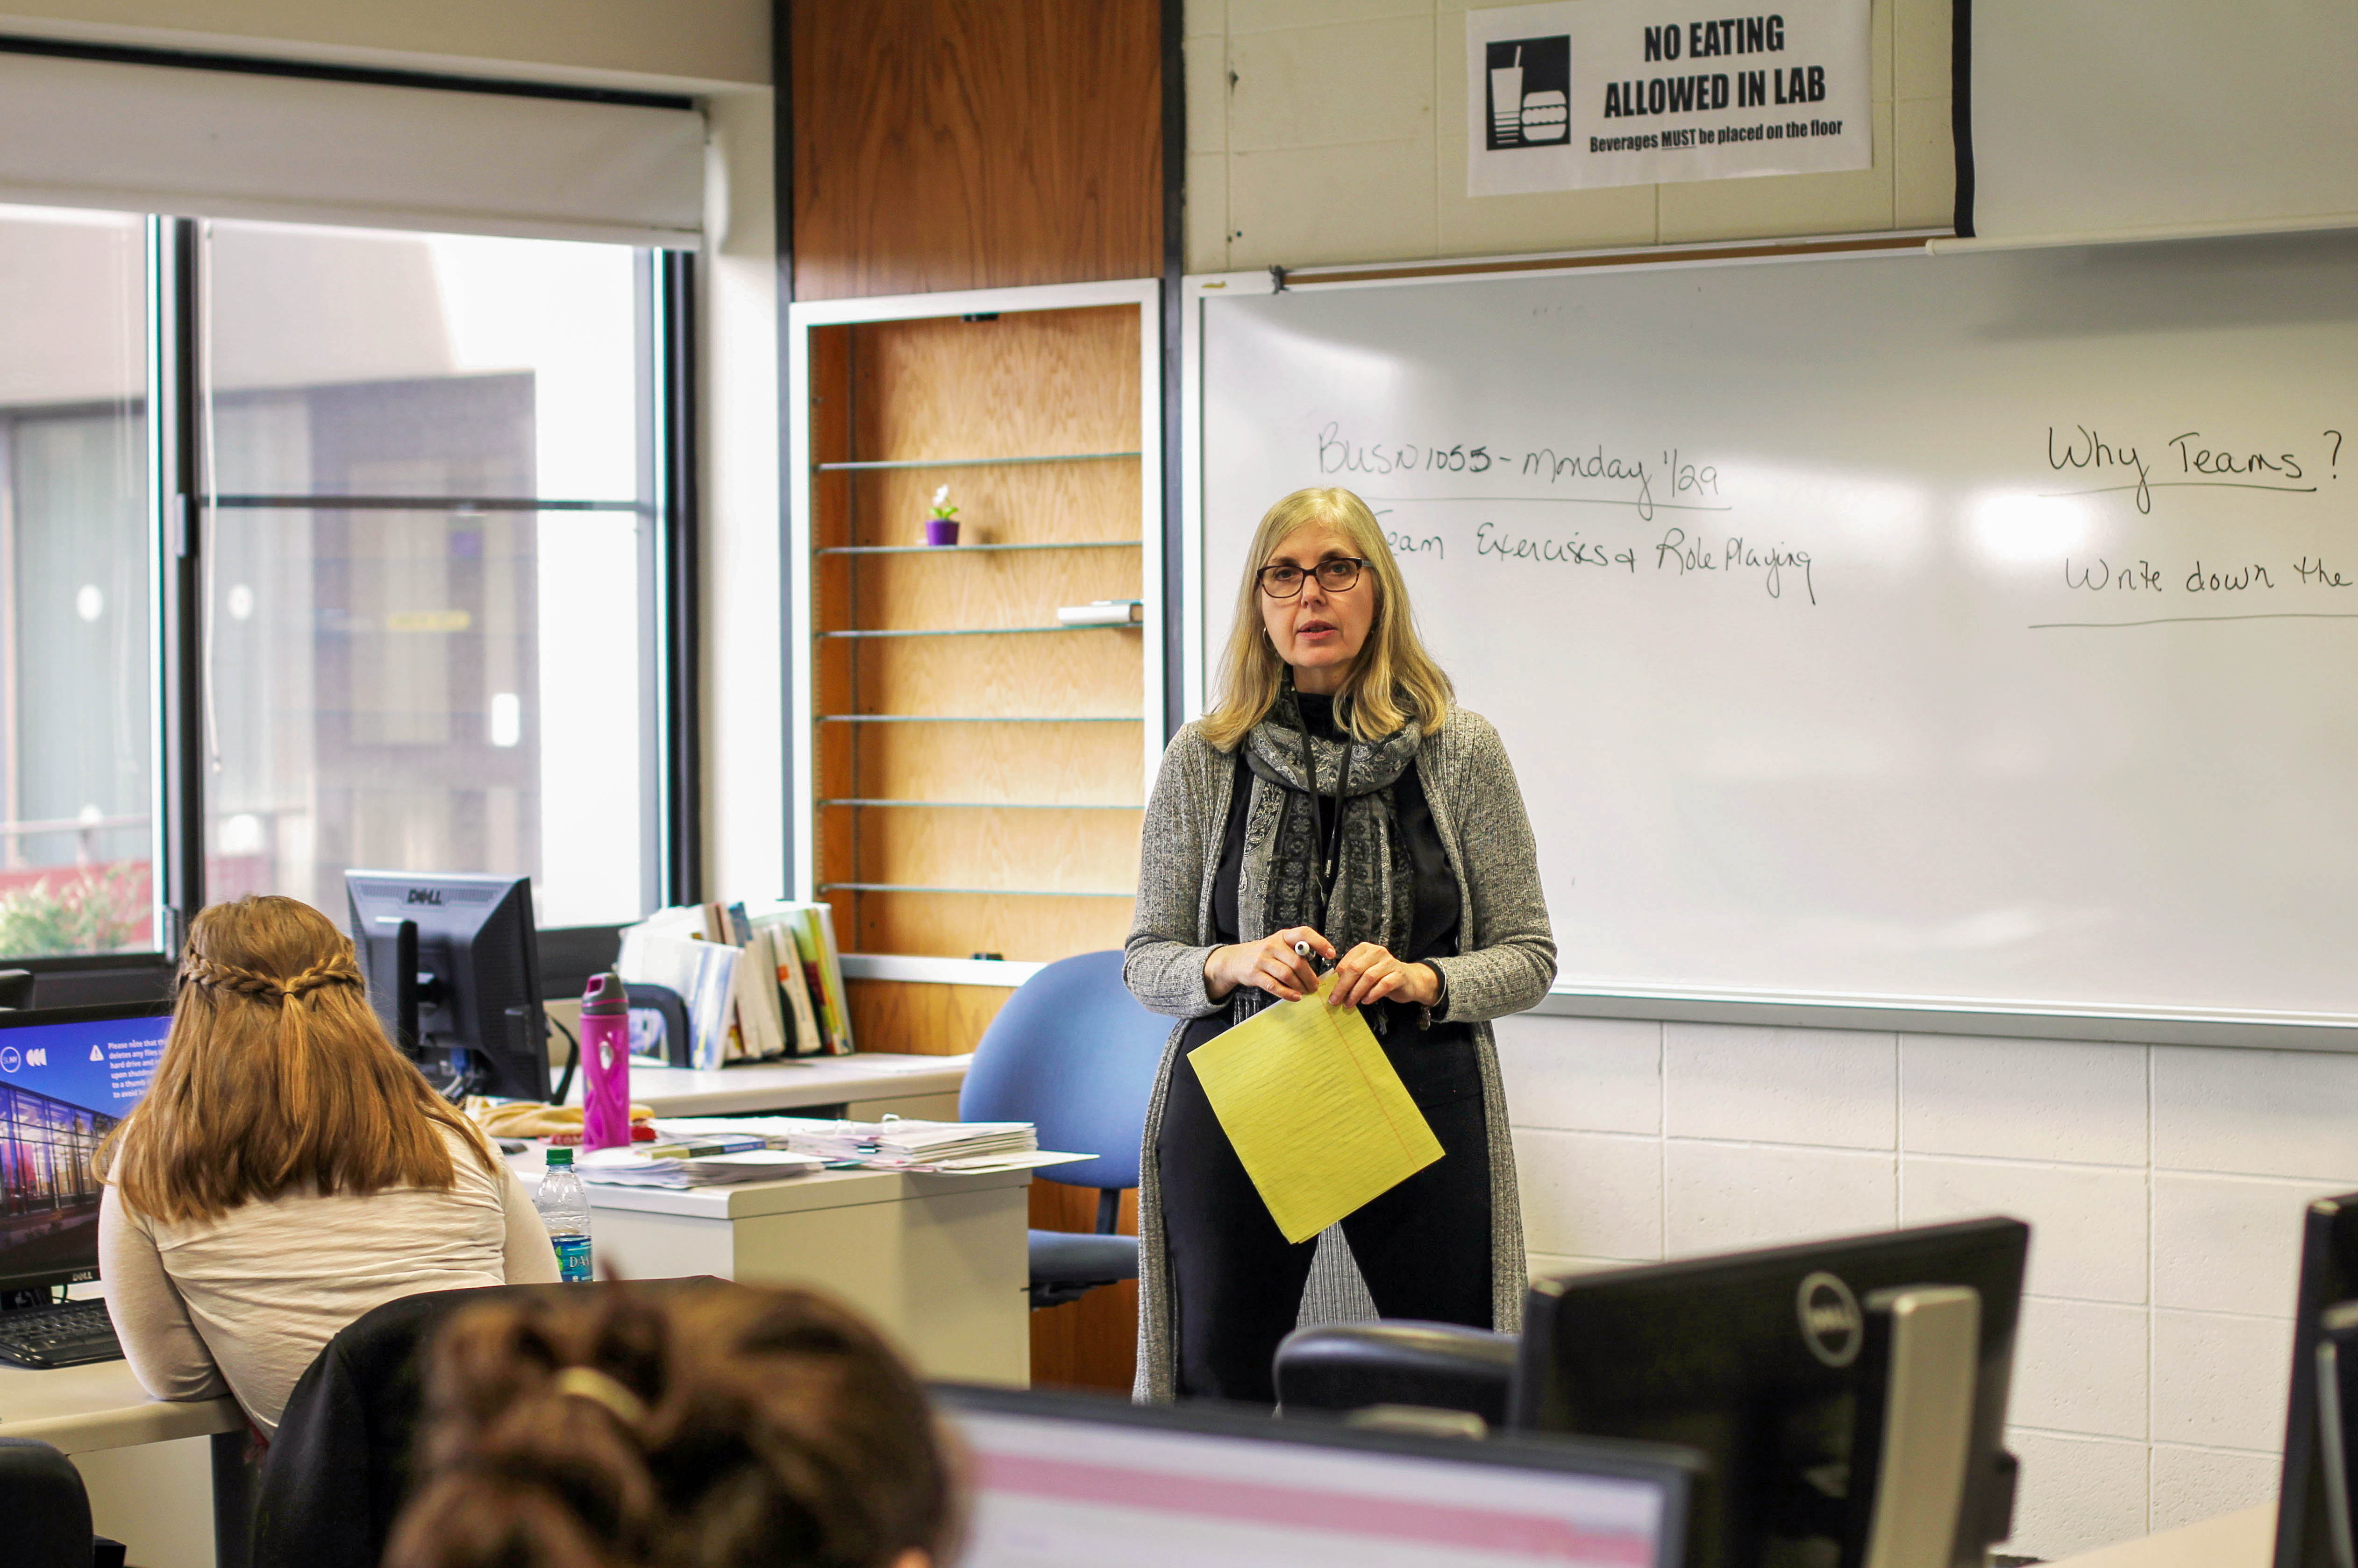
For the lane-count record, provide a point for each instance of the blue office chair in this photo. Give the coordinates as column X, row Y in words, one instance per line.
column 1074, row 1052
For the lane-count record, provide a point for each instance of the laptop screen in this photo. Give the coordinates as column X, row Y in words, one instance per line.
column 1066, row 1485
column 67, row 1076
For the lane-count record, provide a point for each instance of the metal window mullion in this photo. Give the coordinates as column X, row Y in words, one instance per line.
column 174, row 601
column 677, row 586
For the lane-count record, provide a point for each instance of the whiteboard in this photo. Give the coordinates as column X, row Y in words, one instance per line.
column 1972, row 632
column 2090, row 116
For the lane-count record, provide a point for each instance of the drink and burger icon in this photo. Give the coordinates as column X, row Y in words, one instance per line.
column 1530, row 87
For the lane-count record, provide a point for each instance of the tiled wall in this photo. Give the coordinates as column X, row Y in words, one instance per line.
column 1324, row 131
column 2164, row 1186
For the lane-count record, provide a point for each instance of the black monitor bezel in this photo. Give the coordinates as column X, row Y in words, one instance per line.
column 1535, row 1407
column 31, row 1018
column 1673, row 1469
column 527, row 1065
column 2329, row 1273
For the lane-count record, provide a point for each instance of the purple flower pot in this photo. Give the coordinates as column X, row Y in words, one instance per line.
column 941, row 530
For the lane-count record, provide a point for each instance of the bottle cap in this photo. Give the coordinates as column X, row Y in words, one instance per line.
column 605, row 996
column 559, row 1157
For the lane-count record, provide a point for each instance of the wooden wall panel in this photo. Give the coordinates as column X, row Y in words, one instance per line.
column 957, row 926
column 1023, row 383
column 992, row 588
column 1093, row 674
column 974, row 143
column 1093, row 763
column 922, row 1020
column 1091, row 1343
column 1064, row 851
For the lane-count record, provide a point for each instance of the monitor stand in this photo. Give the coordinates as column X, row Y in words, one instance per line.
column 1919, row 1365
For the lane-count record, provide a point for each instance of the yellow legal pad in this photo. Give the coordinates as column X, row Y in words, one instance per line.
column 1321, row 1122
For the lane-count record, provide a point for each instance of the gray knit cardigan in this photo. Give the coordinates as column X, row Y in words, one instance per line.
column 1505, row 962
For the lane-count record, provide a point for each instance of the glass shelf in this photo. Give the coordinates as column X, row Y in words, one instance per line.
column 973, row 462
column 985, row 631
column 979, row 718
column 986, row 892
column 967, row 549
column 990, row 804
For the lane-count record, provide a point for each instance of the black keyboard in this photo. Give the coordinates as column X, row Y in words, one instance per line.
column 70, row 1333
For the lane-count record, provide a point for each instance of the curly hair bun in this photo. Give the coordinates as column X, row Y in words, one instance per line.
column 720, row 1426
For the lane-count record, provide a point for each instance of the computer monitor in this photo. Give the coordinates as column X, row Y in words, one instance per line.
column 1803, row 1374
column 67, row 1075
column 453, row 966
column 2329, row 1274
column 1068, row 1481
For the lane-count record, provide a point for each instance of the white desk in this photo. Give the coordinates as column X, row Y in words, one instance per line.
column 869, row 1086
column 940, row 1263
column 83, row 1409
column 147, row 1465
column 2242, row 1540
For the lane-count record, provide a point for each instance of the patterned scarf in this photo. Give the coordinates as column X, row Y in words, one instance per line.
column 1375, row 883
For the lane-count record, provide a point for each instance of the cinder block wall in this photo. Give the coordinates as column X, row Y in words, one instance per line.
column 2164, row 1186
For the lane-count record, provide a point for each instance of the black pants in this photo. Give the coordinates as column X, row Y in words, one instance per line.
column 1423, row 1248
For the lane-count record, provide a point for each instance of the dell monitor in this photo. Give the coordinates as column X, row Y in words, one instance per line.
column 2329, row 1275
column 67, row 1076
column 1805, row 1375
column 1073, row 1481
column 453, row 967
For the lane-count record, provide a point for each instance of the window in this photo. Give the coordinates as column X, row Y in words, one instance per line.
column 77, row 652
column 426, row 619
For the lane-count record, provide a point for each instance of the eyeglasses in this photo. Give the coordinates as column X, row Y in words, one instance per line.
column 1338, row 575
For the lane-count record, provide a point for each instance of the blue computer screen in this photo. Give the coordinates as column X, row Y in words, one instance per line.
column 63, row 1086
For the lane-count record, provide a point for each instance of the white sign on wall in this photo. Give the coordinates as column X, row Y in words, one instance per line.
column 1588, row 92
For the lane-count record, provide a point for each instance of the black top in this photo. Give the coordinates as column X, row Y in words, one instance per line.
column 1429, row 1074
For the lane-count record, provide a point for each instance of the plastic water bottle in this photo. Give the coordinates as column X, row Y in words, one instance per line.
column 565, row 1209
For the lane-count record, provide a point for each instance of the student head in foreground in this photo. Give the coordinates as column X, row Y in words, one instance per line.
column 734, row 1427
column 288, row 1170
column 1336, row 809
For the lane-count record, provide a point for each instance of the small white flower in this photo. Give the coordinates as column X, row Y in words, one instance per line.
column 941, row 495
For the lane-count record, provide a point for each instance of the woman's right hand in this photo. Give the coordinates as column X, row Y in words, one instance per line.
column 1270, row 963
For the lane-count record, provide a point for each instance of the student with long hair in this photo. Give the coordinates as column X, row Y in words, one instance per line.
column 287, row 1171
column 1338, row 798
column 727, row 1427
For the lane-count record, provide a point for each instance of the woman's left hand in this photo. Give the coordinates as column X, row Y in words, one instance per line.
column 1368, row 973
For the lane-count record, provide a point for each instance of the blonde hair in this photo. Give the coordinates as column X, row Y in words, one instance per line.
column 1392, row 683
column 276, row 1076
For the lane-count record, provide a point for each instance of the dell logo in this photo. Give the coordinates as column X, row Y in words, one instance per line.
column 1832, row 1326
column 425, row 895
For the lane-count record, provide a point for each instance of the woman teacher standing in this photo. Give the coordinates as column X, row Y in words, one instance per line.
column 1338, row 798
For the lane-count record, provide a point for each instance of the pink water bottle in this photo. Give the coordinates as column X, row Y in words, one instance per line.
column 605, row 1064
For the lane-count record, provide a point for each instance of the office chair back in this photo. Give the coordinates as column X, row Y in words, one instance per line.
column 1342, row 1367
column 1075, row 1053
column 47, row 1510
column 339, row 1470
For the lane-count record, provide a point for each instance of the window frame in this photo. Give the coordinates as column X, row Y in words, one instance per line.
column 671, row 827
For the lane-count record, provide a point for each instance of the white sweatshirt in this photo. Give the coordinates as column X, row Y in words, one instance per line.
column 247, row 1301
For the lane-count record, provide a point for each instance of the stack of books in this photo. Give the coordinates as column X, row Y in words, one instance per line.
column 760, row 981
column 893, row 1144
column 703, row 1163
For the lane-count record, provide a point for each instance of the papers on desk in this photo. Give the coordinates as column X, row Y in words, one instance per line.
column 896, row 1144
column 703, row 1167
column 1316, row 1112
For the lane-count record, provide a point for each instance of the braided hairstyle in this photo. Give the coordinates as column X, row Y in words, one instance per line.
column 727, row 1426
column 277, row 1078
